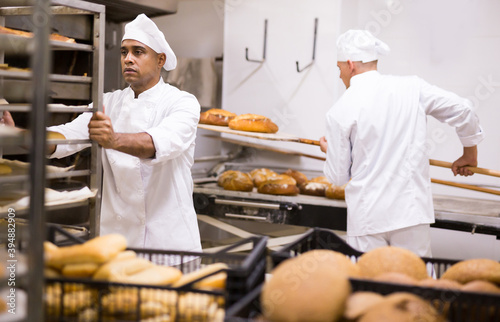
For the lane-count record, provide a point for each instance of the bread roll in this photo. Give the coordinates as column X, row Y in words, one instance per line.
column 215, row 281
column 235, row 180
column 253, row 123
column 315, row 187
column 440, row 283
column 294, row 294
column 55, row 136
column 474, row 269
column 80, row 269
column 395, row 277
column 260, row 175
column 360, row 302
column 5, row 169
column 337, row 261
column 480, row 287
column 392, row 259
column 297, row 175
column 400, row 307
column 215, row 116
column 335, row 192
column 280, row 185
column 97, row 250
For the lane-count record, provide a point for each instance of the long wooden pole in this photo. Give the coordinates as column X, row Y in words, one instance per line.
column 466, row 186
column 488, row 172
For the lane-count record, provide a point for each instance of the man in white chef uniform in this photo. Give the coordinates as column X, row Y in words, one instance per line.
column 376, row 142
column 148, row 135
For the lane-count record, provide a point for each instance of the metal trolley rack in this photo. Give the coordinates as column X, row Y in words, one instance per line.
column 39, row 85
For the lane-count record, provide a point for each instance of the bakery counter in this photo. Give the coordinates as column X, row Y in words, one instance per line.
column 462, row 214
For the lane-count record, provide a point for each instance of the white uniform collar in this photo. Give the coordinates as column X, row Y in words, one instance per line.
column 149, row 93
column 366, row 75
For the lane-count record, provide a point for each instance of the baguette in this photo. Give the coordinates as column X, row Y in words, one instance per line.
column 253, row 123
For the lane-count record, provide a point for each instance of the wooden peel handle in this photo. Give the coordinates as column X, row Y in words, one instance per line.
column 488, row 172
column 466, row 186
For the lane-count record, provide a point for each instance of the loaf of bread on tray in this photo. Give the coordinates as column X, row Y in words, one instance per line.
column 315, row 187
column 279, row 185
column 261, row 175
column 216, row 116
column 253, row 123
column 297, row 175
column 235, row 180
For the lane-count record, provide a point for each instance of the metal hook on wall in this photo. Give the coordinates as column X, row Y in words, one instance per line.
column 314, row 48
column 264, row 53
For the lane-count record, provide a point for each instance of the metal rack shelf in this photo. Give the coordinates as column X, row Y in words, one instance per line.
column 53, row 77
column 52, row 108
column 57, row 175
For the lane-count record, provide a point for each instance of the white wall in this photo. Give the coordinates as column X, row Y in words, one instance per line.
column 454, row 45
column 296, row 102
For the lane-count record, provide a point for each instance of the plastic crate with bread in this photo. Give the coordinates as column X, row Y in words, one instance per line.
column 385, row 283
column 101, row 279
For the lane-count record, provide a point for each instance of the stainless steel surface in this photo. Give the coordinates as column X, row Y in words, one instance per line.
column 247, row 204
column 41, row 66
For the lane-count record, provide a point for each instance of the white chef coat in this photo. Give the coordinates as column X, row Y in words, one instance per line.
column 149, row 201
column 376, row 135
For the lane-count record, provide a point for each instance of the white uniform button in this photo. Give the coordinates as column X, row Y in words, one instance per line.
column 118, row 217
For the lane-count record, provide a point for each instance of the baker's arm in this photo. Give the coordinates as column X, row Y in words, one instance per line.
column 137, row 144
column 337, row 168
column 469, row 158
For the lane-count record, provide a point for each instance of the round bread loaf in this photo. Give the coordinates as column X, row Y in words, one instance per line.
column 297, row 175
column 440, row 283
column 5, row 169
column 337, row 261
column 474, row 269
column 396, row 278
column 402, row 307
column 480, row 287
column 253, row 123
column 335, row 192
column 360, row 302
column 315, row 187
column 279, row 185
column 392, row 259
column 55, row 136
column 294, row 294
column 261, row 175
column 235, row 180
column 216, row 116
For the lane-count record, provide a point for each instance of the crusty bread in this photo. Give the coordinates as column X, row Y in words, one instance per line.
column 97, row 250
column 360, row 302
column 474, row 269
column 261, row 175
column 79, row 269
column 295, row 294
column 53, row 36
column 235, row 180
column 55, row 136
column 335, row 192
column 297, row 175
column 396, row 278
column 481, row 286
column 216, row 116
column 398, row 307
column 214, row 281
column 5, row 169
column 279, row 185
column 253, row 123
column 440, row 283
column 315, row 187
column 392, row 259
column 337, row 261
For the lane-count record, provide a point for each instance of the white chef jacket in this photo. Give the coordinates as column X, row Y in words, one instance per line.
column 149, row 201
column 376, row 135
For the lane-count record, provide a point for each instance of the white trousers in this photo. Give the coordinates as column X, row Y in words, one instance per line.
column 415, row 238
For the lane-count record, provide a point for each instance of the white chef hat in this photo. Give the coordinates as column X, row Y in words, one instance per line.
column 360, row 45
column 145, row 31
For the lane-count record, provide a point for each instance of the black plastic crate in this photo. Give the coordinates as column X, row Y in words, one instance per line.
column 457, row 305
column 244, row 273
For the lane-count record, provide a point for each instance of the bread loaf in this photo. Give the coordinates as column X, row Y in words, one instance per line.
column 392, row 259
column 337, row 261
column 5, row 169
column 253, row 123
column 97, row 250
column 216, row 280
column 55, row 136
column 360, row 302
column 297, row 175
column 260, row 175
column 481, row 287
column 440, row 283
column 315, row 187
column 235, row 180
column 215, row 116
column 474, row 269
column 335, row 192
column 279, row 185
column 294, row 294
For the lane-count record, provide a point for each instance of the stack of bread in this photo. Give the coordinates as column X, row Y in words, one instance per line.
column 105, row 258
column 322, row 276
column 243, row 122
column 289, row 183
